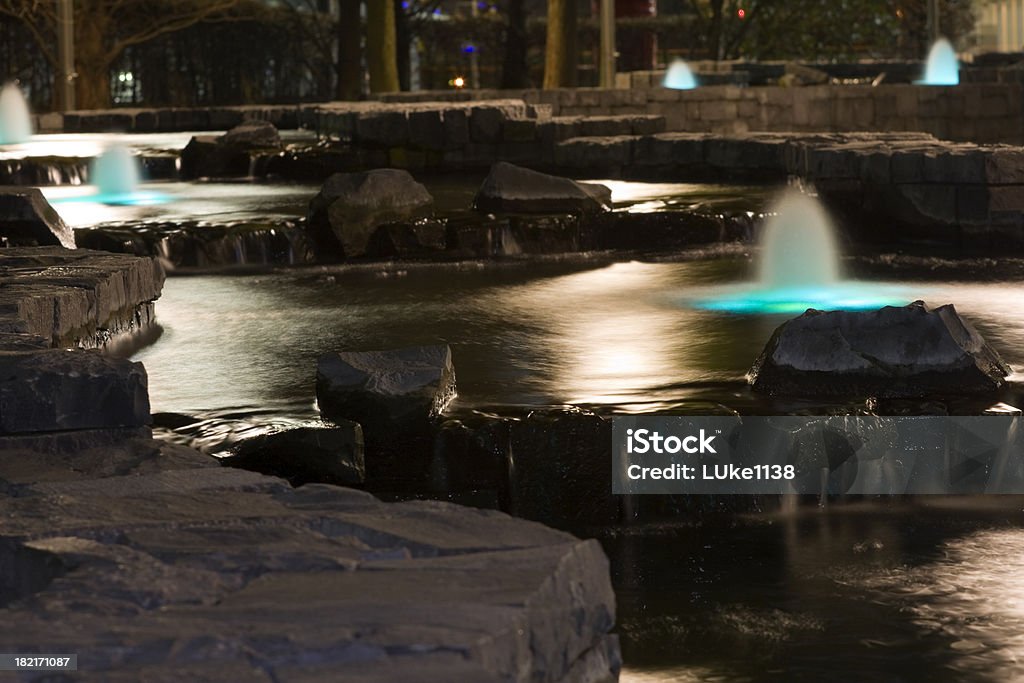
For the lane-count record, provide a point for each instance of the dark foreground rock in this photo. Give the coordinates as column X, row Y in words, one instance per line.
column 328, row 455
column 203, row 567
column 28, row 220
column 891, row 352
column 53, row 390
column 513, row 189
column 552, row 466
column 351, row 206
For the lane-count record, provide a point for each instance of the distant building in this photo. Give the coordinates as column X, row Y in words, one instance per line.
column 1000, row 26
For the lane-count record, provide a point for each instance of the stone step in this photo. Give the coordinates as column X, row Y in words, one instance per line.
column 55, row 390
column 76, row 297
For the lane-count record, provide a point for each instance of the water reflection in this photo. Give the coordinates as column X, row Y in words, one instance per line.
column 80, row 207
column 869, row 592
column 974, row 598
column 541, row 334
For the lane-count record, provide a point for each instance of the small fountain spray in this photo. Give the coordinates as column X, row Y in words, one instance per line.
column 116, row 176
column 115, row 172
column 679, row 76
column 15, row 123
column 942, row 67
column 799, row 268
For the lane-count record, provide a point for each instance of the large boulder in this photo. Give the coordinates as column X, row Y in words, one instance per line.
column 326, row 455
column 395, row 395
column 252, row 134
column 231, row 154
column 351, row 206
column 28, row 220
column 512, row 189
column 891, row 352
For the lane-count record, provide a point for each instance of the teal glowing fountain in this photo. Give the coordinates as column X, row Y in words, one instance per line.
column 115, row 175
column 679, row 76
column 942, row 67
column 15, row 123
column 799, row 269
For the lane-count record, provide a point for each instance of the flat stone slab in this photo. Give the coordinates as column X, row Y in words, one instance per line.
column 75, row 297
column 514, row 189
column 27, row 219
column 202, row 574
column 54, row 390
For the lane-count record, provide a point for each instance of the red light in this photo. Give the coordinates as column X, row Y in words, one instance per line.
column 741, row 13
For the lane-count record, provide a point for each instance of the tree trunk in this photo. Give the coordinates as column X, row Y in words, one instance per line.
column 380, row 46
column 560, row 47
column 92, row 87
column 350, row 53
column 514, row 71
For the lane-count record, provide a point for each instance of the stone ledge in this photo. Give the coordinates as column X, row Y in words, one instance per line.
column 255, row 580
column 76, row 297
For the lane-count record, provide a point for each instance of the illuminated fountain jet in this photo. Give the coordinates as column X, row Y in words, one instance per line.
column 15, row 123
column 115, row 175
column 679, row 76
column 798, row 268
column 942, row 67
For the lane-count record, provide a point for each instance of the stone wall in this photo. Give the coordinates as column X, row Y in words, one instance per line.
column 975, row 112
column 985, row 112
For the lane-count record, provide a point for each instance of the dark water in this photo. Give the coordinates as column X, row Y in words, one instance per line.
column 602, row 334
column 928, row 590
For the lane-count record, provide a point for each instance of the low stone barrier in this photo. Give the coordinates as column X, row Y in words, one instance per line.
column 73, row 298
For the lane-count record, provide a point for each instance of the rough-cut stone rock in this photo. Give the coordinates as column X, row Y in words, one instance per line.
column 385, row 386
column 216, row 560
column 512, row 189
column 396, row 396
column 75, row 297
column 231, row 154
column 28, row 220
column 43, row 458
column 351, row 206
column 56, row 390
column 252, row 134
column 332, row 455
column 891, row 352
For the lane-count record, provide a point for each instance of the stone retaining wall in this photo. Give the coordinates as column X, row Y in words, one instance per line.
column 985, row 112
column 981, row 112
column 910, row 185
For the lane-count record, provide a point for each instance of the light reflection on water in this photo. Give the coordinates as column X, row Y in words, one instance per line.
column 865, row 592
column 521, row 335
column 88, row 145
column 973, row 596
column 81, row 207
